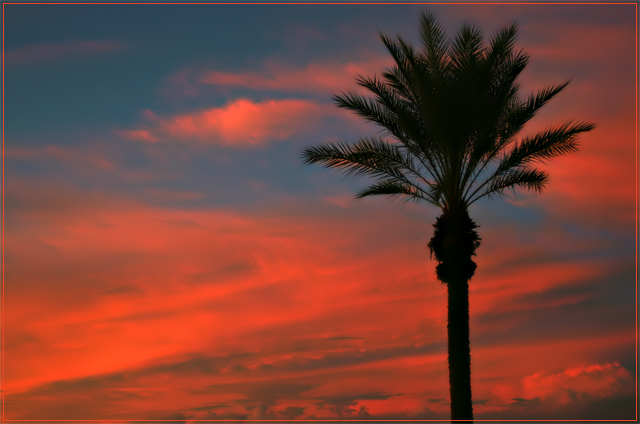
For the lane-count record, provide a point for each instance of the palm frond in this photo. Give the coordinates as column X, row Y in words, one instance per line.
column 400, row 74
column 543, row 146
column 400, row 110
column 546, row 145
column 408, row 129
column 392, row 188
column 434, row 43
column 502, row 44
column 376, row 158
column 362, row 158
column 370, row 110
column 532, row 179
column 466, row 49
column 522, row 112
column 516, row 114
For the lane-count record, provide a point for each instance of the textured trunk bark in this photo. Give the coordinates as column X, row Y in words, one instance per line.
column 453, row 244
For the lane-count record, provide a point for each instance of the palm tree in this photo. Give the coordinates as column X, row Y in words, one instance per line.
column 450, row 115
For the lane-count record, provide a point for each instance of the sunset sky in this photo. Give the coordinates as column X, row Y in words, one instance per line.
column 168, row 256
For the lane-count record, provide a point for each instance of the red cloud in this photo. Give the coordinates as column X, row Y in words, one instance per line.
column 241, row 262
column 41, row 52
column 301, row 297
column 156, row 280
column 241, row 122
column 161, row 279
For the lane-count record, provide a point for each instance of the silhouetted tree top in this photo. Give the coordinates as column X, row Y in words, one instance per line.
column 450, row 115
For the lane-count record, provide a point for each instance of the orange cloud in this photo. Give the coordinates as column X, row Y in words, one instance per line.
column 241, row 122
column 41, row 52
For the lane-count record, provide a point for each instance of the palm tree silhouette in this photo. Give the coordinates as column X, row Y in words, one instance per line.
column 450, row 114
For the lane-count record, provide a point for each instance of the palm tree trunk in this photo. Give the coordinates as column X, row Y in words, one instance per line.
column 459, row 351
column 453, row 244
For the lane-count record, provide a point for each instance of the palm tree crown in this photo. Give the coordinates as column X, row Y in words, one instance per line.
column 454, row 112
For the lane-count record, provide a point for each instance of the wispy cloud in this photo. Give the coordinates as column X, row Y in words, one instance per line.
column 167, row 283
column 325, row 78
column 575, row 42
column 43, row 52
column 138, row 134
column 186, row 266
column 83, row 159
column 319, row 77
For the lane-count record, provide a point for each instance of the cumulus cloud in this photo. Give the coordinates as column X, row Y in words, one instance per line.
column 578, row 383
column 292, row 412
column 598, row 391
column 349, row 406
